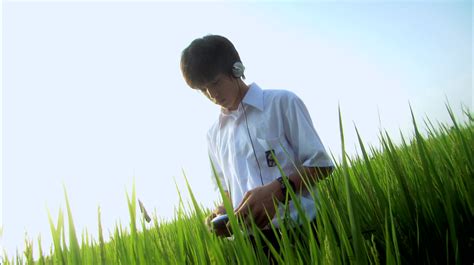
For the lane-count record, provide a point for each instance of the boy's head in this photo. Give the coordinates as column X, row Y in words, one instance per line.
column 207, row 57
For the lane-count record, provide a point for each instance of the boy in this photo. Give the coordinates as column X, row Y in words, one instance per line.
column 255, row 129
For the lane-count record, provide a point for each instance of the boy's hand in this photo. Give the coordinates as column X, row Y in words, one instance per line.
column 258, row 202
column 220, row 210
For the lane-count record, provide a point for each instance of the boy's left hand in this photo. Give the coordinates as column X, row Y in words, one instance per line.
column 259, row 203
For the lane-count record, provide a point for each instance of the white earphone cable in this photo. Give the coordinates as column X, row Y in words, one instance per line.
column 248, row 131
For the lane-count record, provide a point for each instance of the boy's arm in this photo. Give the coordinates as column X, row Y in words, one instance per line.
column 315, row 163
column 309, row 177
column 259, row 201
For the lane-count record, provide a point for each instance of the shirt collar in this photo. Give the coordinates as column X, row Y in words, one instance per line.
column 254, row 97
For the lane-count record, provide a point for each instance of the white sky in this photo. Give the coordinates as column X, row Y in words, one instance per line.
column 93, row 97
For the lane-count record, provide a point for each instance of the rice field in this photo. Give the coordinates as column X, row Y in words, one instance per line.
column 410, row 203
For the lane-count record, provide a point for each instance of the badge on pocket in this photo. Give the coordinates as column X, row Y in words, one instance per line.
column 270, row 158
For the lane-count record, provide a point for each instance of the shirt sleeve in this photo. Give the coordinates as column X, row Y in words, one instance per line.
column 216, row 171
column 302, row 136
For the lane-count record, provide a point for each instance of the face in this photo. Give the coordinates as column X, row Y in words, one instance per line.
column 223, row 91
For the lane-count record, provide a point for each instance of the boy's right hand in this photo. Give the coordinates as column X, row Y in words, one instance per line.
column 220, row 210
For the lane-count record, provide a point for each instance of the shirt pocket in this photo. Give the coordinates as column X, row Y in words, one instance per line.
column 271, row 150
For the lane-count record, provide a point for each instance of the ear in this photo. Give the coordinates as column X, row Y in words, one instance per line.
column 238, row 70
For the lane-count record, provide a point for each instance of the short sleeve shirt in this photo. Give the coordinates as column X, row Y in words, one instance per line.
column 243, row 145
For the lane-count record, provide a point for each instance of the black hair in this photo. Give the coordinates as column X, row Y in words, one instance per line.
column 207, row 57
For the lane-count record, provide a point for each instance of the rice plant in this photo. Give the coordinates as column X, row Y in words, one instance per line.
column 410, row 203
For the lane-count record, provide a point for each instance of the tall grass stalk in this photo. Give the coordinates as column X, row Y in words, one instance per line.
column 410, row 203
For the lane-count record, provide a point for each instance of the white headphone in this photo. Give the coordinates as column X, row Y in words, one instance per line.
column 238, row 70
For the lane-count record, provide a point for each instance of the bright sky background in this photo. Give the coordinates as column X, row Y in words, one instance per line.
column 93, row 96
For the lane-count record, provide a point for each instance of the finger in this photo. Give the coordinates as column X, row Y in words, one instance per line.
column 253, row 217
column 258, row 216
column 241, row 216
column 269, row 214
column 243, row 209
column 244, row 200
column 221, row 210
column 209, row 218
column 262, row 221
column 245, row 212
column 242, row 204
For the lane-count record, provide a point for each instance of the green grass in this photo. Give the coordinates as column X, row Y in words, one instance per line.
column 411, row 203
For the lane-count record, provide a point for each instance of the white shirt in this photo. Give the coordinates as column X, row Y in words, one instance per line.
column 277, row 120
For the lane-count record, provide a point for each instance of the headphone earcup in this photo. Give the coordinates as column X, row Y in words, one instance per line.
column 238, row 70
